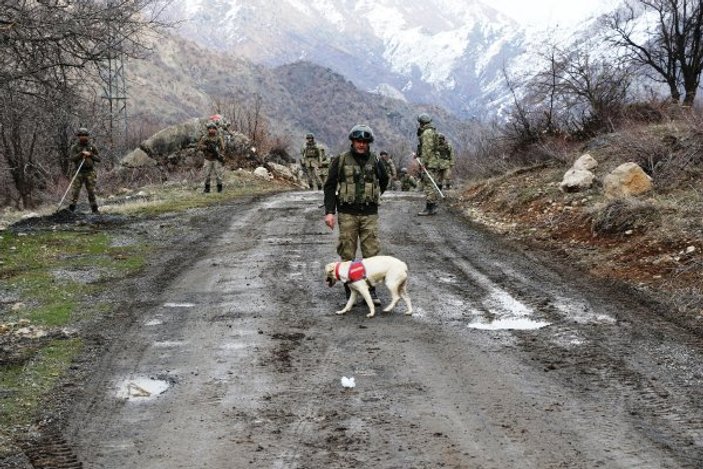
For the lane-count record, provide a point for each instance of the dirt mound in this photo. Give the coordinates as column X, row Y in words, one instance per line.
column 66, row 217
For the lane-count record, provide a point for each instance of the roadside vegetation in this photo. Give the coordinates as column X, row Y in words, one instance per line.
column 53, row 272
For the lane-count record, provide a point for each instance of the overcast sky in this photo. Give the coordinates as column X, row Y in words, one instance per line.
column 551, row 12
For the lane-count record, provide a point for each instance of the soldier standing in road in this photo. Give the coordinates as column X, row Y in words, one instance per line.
column 324, row 168
column 353, row 188
column 429, row 157
column 390, row 168
column 213, row 147
column 312, row 155
column 84, row 155
column 446, row 161
column 407, row 182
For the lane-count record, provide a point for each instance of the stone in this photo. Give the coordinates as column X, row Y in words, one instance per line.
column 628, row 179
column 576, row 180
column 585, row 161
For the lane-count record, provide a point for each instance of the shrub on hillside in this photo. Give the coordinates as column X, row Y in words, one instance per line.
column 621, row 215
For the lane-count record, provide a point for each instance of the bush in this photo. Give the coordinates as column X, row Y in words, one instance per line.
column 622, row 215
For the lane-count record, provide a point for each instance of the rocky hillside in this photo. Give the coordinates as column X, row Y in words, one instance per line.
column 181, row 80
column 651, row 242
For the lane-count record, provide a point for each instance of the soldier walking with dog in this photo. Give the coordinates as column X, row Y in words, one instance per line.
column 354, row 185
column 84, row 155
column 212, row 146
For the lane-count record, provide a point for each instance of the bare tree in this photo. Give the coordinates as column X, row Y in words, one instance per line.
column 50, row 55
column 594, row 91
column 674, row 51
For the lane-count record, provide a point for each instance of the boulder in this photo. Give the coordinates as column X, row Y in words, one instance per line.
column 585, row 161
column 137, row 159
column 628, row 179
column 576, row 180
column 262, row 173
column 173, row 138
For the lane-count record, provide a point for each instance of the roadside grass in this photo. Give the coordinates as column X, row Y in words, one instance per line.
column 42, row 271
column 186, row 195
column 49, row 279
column 24, row 385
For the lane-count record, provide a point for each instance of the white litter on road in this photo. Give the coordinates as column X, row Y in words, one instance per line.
column 348, row 382
column 154, row 322
column 178, row 305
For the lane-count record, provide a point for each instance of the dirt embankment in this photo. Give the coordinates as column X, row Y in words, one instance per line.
column 658, row 253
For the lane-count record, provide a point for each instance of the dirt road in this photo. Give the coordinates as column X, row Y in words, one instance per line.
column 235, row 358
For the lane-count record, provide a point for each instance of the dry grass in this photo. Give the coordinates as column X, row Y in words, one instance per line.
column 653, row 242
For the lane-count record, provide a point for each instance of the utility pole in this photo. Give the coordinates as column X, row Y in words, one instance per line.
column 112, row 73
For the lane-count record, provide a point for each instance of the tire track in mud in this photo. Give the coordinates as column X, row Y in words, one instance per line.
column 257, row 360
column 611, row 360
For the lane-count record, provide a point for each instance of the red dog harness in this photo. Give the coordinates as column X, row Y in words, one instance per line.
column 356, row 272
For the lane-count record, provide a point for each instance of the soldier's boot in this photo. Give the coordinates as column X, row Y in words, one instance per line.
column 207, row 188
column 374, row 297
column 433, row 209
column 219, row 187
column 72, row 207
column 429, row 207
column 94, row 208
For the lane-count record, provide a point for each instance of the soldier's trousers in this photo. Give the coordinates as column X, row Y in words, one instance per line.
column 439, row 175
column 314, row 180
column 89, row 179
column 210, row 167
column 357, row 229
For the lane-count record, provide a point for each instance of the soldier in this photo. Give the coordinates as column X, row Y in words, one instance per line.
column 324, row 168
column 429, row 157
column 84, row 155
column 213, row 146
column 407, row 182
column 446, row 161
column 353, row 188
column 390, row 168
column 312, row 155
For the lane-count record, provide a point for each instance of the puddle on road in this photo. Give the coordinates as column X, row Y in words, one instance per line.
column 170, row 343
column 178, row 305
column 518, row 324
column 141, row 389
column 154, row 322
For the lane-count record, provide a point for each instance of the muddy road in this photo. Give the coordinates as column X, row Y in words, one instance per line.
column 236, row 358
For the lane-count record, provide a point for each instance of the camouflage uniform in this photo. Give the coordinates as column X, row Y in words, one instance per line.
column 86, row 175
column 353, row 187
column 324, row 169
column 407, row 182
column 427, row 152
column 390, row 169
column 312, row 156
column 445, row 161
column 212, row 147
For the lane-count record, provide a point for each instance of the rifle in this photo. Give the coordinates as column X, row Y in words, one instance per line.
column 213, row 147
column 429, row 176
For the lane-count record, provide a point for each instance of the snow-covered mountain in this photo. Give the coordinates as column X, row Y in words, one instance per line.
column 445, row 52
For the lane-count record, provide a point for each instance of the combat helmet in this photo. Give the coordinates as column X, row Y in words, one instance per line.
column 82, row 131
column 424, row 118
column 309, row 136
column 403, row 170
column 361, row 132
column 211, row 125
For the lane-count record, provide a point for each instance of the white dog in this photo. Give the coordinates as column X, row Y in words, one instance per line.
column 359, row 275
